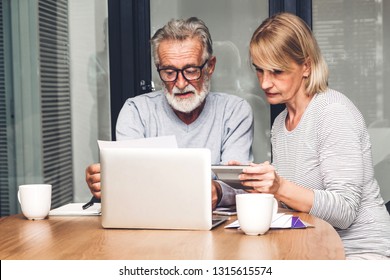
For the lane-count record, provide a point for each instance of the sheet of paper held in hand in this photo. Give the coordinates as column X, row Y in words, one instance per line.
column 75, row 209
column 152, row 142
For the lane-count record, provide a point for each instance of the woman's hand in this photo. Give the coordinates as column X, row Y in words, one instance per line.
column 261, row 177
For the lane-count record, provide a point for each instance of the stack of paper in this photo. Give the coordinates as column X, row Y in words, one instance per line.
column 281, row 220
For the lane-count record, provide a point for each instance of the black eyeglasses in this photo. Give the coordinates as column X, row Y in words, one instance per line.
column 190, row 73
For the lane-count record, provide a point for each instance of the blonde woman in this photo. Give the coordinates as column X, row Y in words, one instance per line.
column 322, row 161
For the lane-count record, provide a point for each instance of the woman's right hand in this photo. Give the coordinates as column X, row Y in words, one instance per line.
column 261, row 177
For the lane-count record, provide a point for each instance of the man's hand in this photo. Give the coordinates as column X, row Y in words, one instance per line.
column 92, row 177
column 216, row 194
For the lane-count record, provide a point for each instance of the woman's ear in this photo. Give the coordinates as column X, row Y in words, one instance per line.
column 307, row 68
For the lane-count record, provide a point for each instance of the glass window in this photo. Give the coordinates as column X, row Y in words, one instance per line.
column 91, row 120
column 351, row 35
column 231, row 24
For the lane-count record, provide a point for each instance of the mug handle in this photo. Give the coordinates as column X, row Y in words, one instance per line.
column 19, row 197
column 275, row 209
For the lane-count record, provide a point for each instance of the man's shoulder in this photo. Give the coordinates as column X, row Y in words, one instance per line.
column 229, row 104
column 220, row 97
column 150, row 97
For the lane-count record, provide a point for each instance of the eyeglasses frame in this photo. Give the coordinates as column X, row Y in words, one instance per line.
column 182, row 72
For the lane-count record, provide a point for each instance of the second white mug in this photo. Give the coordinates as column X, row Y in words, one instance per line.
column 255, row 212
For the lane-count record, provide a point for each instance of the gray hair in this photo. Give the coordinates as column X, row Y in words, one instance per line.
column 180, row 30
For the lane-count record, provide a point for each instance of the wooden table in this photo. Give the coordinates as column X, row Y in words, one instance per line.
column 75, row 238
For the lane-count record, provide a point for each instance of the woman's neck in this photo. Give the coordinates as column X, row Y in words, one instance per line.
column 295, row 111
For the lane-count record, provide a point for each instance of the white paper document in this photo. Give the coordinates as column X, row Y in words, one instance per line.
column 152, row 142
column 281, row 220
column 76, row 209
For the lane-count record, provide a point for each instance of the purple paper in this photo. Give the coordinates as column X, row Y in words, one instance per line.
column 297, row 223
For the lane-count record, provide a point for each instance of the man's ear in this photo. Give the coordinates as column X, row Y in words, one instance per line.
column 211, row 65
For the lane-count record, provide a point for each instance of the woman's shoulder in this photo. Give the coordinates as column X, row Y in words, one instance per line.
column 331, row 99
column 331, row 96
column 332, row 102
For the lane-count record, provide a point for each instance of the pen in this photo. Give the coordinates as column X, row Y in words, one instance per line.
column 91, row 202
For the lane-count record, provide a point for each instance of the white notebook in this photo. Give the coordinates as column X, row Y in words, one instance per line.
column 76, row 209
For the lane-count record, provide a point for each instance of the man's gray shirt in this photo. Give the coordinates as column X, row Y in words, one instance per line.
column 225, row 127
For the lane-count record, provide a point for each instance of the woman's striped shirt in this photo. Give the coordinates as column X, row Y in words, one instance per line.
column 330, row 152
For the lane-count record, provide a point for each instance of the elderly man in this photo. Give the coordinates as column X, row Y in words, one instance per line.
column 183, row 55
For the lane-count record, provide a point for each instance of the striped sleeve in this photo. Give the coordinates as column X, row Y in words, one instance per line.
column 341, row 166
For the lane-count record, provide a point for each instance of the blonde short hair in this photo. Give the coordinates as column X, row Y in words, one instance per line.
column 283, row 38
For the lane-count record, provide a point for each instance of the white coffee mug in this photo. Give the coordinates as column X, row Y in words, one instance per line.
column 35, row 200
column 255, row 212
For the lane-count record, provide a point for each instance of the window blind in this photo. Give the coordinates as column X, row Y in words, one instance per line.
column 55, row 99
column 4, row 170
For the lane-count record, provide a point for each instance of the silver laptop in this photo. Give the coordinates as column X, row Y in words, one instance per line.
column 156, row 188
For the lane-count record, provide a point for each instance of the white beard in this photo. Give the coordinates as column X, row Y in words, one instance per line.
column 187, row 105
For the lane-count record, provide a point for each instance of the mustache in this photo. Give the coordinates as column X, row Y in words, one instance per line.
column 188, row 88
